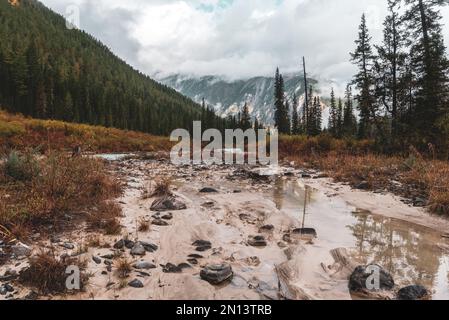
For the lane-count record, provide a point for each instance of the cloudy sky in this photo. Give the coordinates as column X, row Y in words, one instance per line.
column 233, row 38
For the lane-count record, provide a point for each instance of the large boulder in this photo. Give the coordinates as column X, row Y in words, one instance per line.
column 415, row 292
column 359, row 279
column 168, row 203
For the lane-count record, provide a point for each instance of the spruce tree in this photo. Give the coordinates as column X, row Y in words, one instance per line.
column 296, row 130
column 246, row 118
column 333, row 116
column 349, row 127
column 363, row 58
column 430, row 67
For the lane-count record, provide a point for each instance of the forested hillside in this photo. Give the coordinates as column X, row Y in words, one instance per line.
column 49, row 71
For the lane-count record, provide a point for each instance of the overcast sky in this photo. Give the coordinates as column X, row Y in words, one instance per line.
column 233, row 38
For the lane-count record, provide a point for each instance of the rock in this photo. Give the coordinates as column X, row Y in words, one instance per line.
column 415, row 292
column 358, row 279
column 107, row 257
column 3, row 290
column 159, row 222
column 257, row 241
column 138, row 250
column 96, row 259
column 217, row 273
column 195, row 256
column 237, row 191
column 129, row 244
column 184, row 266
column 68, row 245
column 6, row 288
column 364, row 185
column 192, row 261
column 305, row 232
column 136, row 283
column 20, row 250
column 32, row 295
column 289, row 174
column 119, row 244
column 167, row 203
column 208, row 190
column 150, row 247
column 171, row 268
column 202, row 245
column 266, row 228
column 167, row 216
column 144, row 265
column 54, row 239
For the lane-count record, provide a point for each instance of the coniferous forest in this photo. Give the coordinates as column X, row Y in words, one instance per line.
column 400, row 91
column 48, row 71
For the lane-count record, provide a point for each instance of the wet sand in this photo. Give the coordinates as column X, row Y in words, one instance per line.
column 370, row 227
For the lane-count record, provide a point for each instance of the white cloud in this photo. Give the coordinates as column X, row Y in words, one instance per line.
column 234, row 38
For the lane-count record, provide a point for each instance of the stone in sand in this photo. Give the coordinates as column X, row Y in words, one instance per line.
column 138, row 250
column 202, row 245
column 208, row 190
column 171, row 268
column 358, row 279
column 306, row 232
column 96, row 259
column 415, row 292
column 136, row 283
column 266, row 228
column 216, row 273
column 167, row 203
column 257, row 241
column 150, row 247
column 119, row 244
column 144, row 265
column 159, row 222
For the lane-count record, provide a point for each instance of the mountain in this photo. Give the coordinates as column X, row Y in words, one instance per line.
column 50, row 71
column 228, row 97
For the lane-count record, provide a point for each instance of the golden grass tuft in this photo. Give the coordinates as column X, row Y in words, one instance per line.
column 123, row 268
column 47, row 273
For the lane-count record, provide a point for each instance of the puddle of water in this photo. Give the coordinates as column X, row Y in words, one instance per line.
column 111, row 156
column 411, row 253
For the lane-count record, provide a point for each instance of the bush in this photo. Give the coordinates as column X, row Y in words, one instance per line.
column 21, row 167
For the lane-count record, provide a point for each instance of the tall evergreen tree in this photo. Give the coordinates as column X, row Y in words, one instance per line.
column 333, row 116
column 295, row 117
column 363, row 58
column 430, row 67
column 246, row 118
column 349, row 127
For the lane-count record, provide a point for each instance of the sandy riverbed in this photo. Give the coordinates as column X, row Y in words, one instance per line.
column 283, row 269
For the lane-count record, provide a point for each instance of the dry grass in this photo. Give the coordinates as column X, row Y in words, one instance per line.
column 143, row 225
column 162, row 187
column 106, row 217
column 19, row 132
column 60, row 186
column 123, row 268
column 418, row 177
column 48, row 275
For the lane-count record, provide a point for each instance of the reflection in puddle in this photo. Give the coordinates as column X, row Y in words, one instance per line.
column 411, row 253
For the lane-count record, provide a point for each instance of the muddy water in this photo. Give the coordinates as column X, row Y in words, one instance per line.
column 411, row 253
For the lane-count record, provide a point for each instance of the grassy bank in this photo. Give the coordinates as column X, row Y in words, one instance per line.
column 422, row 180
column 18, row 132
column 40, row 193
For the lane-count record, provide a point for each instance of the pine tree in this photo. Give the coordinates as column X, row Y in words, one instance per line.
column 296, row 130
column 246, row 118
column 339, row 127
column 333, row 116
column 363, row 57
column 349, row 128
column 281, row 114
column 391, row 68
column 430, row 67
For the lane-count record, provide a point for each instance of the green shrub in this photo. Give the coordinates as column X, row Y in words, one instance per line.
column 21, row 167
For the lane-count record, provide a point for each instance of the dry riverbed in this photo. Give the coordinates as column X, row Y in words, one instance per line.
column 245, row 218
